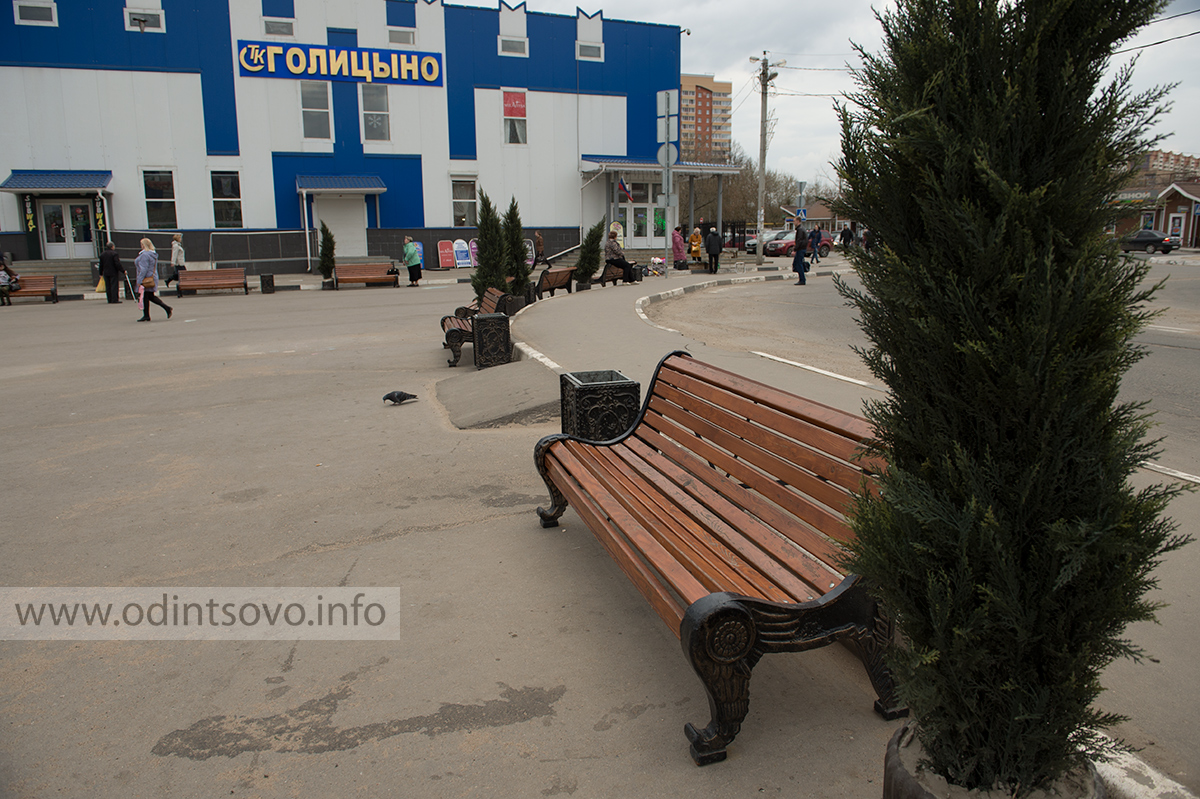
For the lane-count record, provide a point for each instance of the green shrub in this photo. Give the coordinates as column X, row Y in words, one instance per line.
column 325, row 260
column 514, row 238
column 589, row 252
column 982, row 151
column 491, row 258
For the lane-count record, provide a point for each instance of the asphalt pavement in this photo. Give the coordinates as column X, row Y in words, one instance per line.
column 245, row 443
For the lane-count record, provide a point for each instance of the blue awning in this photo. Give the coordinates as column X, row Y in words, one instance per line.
column 340, row 184
column 56, row 180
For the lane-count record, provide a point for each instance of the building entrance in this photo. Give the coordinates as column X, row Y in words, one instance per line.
column 66, row 229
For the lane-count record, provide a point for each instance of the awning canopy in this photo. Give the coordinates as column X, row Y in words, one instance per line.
column 615, row 163
column 51, row 181
column 340, row 184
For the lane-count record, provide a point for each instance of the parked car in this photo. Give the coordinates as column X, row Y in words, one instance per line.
column 786, row 245
column 768, row 235
column 1149, row 241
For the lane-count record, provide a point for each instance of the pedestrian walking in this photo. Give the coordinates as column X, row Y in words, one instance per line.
column 846, row 238
column 539, row 249
column 799, row 266
column 814, row 241
column 177, row 259
column 712, row 245
column 412, row 259
column 147, row 276
column 112, row 271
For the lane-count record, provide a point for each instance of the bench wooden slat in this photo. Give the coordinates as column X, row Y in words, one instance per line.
column 365, row 273
column 686, row 537
column 209, row 279
column 37, row 286
column 647, row 583
column 720, row 528
column 750, row 526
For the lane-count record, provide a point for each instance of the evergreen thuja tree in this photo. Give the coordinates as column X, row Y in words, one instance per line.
column 981, row 150
column 325, row 259
column 514, row 238
column 491, row 261
column 589, row 252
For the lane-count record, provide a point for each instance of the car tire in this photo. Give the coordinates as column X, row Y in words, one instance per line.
column 1150, row 248
column 823, row 250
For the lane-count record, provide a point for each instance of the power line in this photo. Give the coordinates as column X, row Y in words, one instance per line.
column 1155, row 44
column 1174, row 16
column 819, row 69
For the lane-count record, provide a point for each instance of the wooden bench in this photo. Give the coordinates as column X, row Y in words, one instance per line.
column 460, row 329
column 614, row 273
column 366, row 274
column 725, row 504
column 553, row 278
column 502, row 303
column 203, row 279
column 37, row 286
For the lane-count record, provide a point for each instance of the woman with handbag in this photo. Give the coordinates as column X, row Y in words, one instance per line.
column 177, row 260
column 147, row 275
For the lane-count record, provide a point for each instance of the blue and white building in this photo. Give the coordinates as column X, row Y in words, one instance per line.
column 377, row 117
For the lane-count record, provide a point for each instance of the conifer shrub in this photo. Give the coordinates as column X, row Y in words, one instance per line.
column 981, row 149
column 491, row 261
column 589, row 253
column 514, row 238
column 325, row 259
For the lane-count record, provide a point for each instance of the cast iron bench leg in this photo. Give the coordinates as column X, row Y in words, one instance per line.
column 558, row 503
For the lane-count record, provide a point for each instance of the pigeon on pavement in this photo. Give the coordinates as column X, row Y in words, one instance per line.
column 398, row 397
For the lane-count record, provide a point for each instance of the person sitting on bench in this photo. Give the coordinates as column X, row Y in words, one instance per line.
column 613, row 254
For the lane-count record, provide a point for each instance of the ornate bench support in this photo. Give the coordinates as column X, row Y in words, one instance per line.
column 724, row 636
column 454, row 340
column 558, row 503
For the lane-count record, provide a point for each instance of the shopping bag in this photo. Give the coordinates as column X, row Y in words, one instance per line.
column 100, row 285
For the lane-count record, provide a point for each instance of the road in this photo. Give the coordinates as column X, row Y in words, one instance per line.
column 812, row 325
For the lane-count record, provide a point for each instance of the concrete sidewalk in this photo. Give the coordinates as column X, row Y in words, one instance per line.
column 245, row 443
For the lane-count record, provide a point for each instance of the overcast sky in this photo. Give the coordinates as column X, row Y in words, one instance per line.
column 806, row 138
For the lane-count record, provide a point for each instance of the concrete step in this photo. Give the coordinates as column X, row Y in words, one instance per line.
column 73, row 274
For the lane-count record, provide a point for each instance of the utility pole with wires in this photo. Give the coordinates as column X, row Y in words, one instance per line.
column 764, row 83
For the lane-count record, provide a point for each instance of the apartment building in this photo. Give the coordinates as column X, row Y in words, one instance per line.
column 705, row 119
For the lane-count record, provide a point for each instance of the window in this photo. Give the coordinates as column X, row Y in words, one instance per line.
column 511, row 46
column 402, row 35
column 145, row 20
column 227, row 199
column 587, row 51
column 463, row 193
column 514, row 118
column 35, row 12
column 375, row 112
column 160, row 199
column 278, row 27
column 314, row 103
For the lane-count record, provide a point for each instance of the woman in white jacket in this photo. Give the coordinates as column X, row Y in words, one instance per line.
column 177, row 263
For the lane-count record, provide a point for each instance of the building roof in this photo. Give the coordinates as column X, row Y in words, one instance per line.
column 56, row 180
column 1189, row 190
column 600, row 163
column 340, row 184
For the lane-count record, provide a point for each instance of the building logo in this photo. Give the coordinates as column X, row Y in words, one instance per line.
column 356, row 65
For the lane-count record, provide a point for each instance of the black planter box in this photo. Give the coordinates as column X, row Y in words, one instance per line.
column 598, row 406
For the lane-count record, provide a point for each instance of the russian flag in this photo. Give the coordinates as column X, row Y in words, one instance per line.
column 624, row 189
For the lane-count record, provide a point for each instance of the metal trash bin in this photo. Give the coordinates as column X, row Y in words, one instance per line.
column 598, row 406
column 492, row 343
column 267, row 283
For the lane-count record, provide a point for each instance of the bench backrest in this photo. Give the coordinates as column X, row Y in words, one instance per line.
column 230, row 274
column 491, row 301
column 555, row 276
column 790, row 463
column 361, row 270
column 33, row 283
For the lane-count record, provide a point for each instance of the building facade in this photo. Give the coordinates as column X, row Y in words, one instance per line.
column 705, row 119
column 368, row 115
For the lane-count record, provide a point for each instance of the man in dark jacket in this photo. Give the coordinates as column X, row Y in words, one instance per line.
column 712, row 245
column 111, row 270
column 814, row 244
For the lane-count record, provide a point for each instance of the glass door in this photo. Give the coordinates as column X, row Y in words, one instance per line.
column 82, row 242
column 54, row 232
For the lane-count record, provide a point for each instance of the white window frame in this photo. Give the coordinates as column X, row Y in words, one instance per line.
column 387, row 114
column 215, row 199
column 328, row 109
column 474, row 181
column 524, row 40
column 173, row 199
column 133, row 27
column 394, row 29
column 579, row 56
column 504, row 120
column 283, row 21
column 50, row 4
